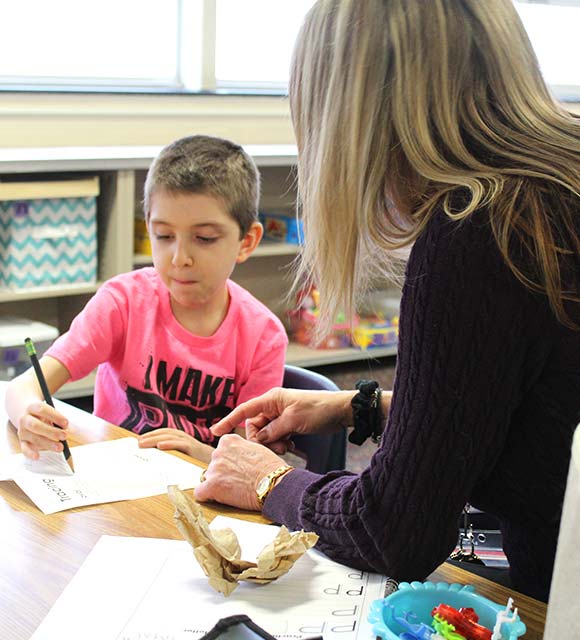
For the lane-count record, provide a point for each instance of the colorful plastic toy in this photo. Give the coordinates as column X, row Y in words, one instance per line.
column 422, row 597
column 445, row 629
column 464, row 621
column 419, row 631
column 377, row 332
column 502, row 618
column 304, row 318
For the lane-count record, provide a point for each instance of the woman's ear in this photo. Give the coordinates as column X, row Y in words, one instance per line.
column 250, row 241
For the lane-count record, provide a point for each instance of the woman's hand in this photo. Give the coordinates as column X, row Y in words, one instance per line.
column 276, row 415
column 38, row 429
column 165, row 439
column 236, row 468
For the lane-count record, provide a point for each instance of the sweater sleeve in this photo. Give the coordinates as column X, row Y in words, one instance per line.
column 462, row 348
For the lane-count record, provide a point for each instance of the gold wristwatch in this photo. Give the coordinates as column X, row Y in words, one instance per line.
column 267, row 483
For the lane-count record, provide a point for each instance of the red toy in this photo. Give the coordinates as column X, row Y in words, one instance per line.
column 465, row 621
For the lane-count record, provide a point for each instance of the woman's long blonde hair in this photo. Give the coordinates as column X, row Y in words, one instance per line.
column 395, row 104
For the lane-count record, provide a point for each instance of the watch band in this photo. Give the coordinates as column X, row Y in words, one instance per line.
column 267, row 483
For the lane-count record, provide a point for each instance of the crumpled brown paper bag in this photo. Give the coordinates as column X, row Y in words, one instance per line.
column 218, row 552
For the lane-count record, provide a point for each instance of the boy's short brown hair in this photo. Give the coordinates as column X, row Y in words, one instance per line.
column 212, row 166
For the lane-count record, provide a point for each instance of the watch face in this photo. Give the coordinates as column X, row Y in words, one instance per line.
column 263, row 485
column 267, row 482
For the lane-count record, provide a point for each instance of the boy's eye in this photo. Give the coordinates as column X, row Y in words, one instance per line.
column 161, row 236
column 207, row 239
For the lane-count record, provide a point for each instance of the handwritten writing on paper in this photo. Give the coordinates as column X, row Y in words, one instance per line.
column 159, row 591
column 104, row 472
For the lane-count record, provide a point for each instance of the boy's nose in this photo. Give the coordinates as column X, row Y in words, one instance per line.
column 182, row 257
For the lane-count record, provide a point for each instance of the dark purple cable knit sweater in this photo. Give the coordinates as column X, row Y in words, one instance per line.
column 486, row 398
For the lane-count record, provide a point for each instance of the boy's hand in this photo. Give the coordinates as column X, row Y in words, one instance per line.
column 165, row 439
column 38, row 430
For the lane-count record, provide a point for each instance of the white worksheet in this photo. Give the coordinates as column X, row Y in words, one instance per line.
column 6, row 466
column 145, row 588
column 104, row 472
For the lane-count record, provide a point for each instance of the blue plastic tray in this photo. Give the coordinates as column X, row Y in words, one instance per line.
column 421, row 597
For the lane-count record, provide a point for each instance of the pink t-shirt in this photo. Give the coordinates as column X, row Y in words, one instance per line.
column 154, row 373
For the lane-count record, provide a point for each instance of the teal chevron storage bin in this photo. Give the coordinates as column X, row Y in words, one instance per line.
column 48, row 233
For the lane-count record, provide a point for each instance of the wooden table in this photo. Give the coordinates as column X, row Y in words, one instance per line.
column 39, row 554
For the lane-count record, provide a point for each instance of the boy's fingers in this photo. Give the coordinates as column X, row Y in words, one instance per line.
column 151, row 443
column 40, row 442
column 156, row 432
column 153, row 438
column 176, row 444
column 58, row 419
column 168, row 444
column 37, row 444
column 28, row 451
column 33, row 429
column 46, row 413
column 148, row 437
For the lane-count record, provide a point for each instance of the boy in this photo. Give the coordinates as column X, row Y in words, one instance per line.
column 177, row 345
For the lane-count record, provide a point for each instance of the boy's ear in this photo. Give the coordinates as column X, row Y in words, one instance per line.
column 250, row 241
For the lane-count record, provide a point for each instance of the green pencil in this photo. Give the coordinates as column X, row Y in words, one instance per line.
column 46, row 393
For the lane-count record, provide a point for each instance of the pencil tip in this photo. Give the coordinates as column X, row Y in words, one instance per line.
column 70, row 463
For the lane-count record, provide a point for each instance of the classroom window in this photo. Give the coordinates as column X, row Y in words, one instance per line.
column 110, row 43
column 259, row 53
column 553, row 27
column 207, row 45
column 149, row 45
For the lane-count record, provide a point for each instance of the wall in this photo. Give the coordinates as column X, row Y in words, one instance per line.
column 44, row 120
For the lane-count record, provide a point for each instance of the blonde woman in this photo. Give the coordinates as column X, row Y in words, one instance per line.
column 428, row 125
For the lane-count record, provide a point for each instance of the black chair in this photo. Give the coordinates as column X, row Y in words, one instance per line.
column 324, row 452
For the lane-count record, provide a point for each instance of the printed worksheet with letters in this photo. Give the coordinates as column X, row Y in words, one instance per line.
column 144, row 588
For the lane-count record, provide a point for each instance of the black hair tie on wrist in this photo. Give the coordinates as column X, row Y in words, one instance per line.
column 366, row 411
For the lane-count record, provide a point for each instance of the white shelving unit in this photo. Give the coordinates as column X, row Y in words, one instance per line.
column 266, row 249
column 303, row 356
column 121, row 172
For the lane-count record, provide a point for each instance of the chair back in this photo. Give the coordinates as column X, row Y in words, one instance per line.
column 299, row 378
column 324, row 452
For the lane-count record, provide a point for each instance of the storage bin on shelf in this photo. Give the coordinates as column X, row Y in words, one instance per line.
column 279, row 227
column 48, row 233
column 13, row 331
